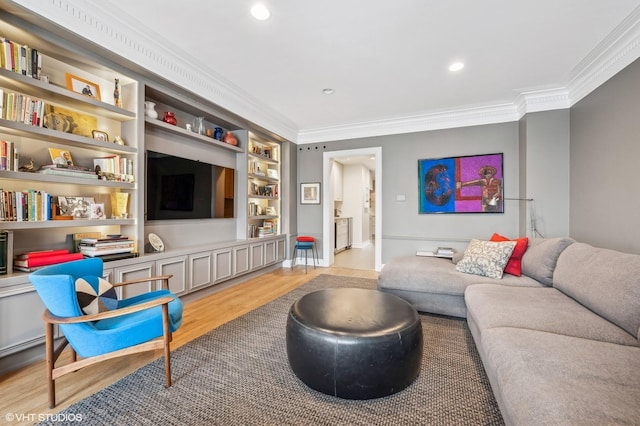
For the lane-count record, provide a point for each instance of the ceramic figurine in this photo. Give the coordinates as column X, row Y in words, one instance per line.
column 170, row 118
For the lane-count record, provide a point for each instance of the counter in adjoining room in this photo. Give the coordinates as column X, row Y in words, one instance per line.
column 342, row 234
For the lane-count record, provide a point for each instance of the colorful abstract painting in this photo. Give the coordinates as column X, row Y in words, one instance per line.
column 469, row 184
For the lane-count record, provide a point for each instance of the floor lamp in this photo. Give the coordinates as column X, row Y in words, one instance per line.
column 532, row 215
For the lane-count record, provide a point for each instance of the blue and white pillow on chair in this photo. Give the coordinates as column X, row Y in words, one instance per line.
column 95, row 294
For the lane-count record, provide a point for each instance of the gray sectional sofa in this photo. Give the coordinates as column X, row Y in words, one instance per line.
column 560, row 344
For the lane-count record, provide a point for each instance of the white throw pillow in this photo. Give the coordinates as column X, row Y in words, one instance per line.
column 486, row 258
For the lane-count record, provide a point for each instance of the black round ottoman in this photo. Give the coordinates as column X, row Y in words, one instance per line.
column 354, row 343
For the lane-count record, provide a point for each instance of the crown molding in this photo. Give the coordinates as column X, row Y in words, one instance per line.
column 418, row 123
column 96, row 22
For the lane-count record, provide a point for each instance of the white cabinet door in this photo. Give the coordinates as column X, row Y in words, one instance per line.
column 257, row 256
column 131, row 272
column 240, row 260
column 176, row 266
column 200, row 273
column 222, row 264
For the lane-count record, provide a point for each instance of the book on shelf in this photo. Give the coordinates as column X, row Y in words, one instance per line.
column 103, row 239
column 78, row 236
column 41, row 253
column 46, row 260
column 6, row 252
column 445, row 252
column 67, row 172
column 100, row 253
column 118, row 256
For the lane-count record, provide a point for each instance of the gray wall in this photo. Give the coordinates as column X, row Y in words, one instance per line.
column 544, row 173
column 404, row 230
column 605, row 127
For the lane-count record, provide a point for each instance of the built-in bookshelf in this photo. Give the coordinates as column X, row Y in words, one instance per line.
column 43, row 114
column 115, row 134
column 263, row 172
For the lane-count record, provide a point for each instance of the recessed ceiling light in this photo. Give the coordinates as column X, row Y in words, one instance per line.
column 260, row 12
column 328, row 91
column 456, row 66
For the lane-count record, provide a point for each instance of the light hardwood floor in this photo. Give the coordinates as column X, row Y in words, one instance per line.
column 24, row 392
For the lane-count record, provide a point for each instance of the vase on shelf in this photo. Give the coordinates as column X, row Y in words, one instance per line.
column 150, row 110
column 230, row 138
column 217, row 133
column 117, row 100
column 170, row 118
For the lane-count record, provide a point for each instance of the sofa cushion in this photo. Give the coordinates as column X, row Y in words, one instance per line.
column 605, row 281
column 432, row 284
column 514, row 265
column 539, row 261
column 544, row 309
column 486, row 258
column 544, row 378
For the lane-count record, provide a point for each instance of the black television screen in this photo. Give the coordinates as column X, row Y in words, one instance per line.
column 178, row 188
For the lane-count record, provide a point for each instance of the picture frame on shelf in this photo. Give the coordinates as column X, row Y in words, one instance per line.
column 100, row 135
column 77, row 207
column 61, row 156
column 273, row 173
column 97, row 211
column 310, row 193
column 82, row 86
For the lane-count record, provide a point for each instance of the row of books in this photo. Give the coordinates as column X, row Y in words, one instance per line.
column 93, row 247
column 115, row 164
column 23, row 206
column 9, row 158
column 21, row 108
column 20, row 58
column 270, row 190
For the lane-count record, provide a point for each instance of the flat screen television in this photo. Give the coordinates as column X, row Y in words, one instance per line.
column 180, row 188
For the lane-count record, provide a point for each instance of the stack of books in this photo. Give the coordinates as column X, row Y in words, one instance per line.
column 30, row 261
column 445, row 252
column 65, row 170
column 107, row 246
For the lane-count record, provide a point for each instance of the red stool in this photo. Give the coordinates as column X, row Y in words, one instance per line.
column 305, row 243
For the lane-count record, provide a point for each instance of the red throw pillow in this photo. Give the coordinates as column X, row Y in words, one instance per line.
column 514, row 265
column 305, row 239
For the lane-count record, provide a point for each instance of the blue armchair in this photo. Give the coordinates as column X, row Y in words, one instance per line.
column 141, row 323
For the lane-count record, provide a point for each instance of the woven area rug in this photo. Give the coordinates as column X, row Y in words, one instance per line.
column 238, row 374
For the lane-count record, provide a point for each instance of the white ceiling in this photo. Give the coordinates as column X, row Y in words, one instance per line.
column 386, row 60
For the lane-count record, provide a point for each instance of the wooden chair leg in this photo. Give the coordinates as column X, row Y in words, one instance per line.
column 50, row 360
column 167, row 348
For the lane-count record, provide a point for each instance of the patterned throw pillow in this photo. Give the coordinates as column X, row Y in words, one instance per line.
column 486, row 258
column 95, row 294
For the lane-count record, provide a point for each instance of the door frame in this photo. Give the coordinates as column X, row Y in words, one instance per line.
column 327, row 201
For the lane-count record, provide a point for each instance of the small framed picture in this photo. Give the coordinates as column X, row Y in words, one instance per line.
column 272, row 173
column 100, row 136
column 61, row 157
column 80, row 85
column 310, row 193
column 97, row 211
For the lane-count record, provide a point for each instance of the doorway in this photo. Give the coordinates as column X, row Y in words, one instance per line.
column 328, row 197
